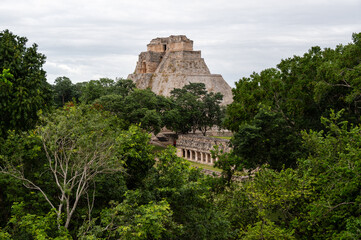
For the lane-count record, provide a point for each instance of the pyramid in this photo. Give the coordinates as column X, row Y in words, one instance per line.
column 171, row 63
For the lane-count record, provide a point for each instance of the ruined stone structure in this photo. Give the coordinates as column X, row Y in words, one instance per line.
column 171, row 63
column 198, row 148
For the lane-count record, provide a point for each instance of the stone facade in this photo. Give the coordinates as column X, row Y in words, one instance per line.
column 198, row 148
column 171, row 63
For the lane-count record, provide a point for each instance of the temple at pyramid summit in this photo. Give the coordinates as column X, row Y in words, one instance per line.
column 171, row 63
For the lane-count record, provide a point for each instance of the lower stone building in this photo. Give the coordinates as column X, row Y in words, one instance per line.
column 198, row 148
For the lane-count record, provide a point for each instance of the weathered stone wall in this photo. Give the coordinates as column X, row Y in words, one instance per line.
column 157, row 48
column 180, row 46
column 183, row 63
column 157, row 45
column 202, row 143
column 148, row 62
column 186, row 55
column 151, row 67
column 143, row 81
column 198, row 148
column 172, row 44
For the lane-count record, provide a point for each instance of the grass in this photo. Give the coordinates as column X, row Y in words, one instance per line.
column 229, row 138
column 157, row 148
column 204, row 166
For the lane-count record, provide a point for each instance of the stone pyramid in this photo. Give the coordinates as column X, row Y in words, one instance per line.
column 171, row 63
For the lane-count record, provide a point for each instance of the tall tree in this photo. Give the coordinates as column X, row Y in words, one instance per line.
column 95, row 89
column 64, row 91
column 212, row 112
column 144, row 107
column 26, row 91
column 194, row 109
column 79, row 144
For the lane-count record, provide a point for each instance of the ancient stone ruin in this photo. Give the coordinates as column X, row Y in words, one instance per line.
column 198, row 148
column 171, row 63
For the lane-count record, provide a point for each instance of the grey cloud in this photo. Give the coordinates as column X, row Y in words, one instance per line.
column 88, row 39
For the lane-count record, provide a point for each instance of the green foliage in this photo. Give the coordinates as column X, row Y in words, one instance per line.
column 128, row 220
column 138, row 107
column 79, row 143
column 237, row 207
column 267, row 139
column 95, row 89
column 137, row 155
column 5, row 235
column 5, row 78
column 272, row 107
column 188, row 193
column 144, row 107
column 23, row 87
column 320, row 199
column 303, row 89
column 31, row 226
column 266, row 230
column 353, row 230
column 100, row 181
column 194, row 109
column 249, row 93
column 190, row 108
column 28, row 148
column 64, row 91
column 228, row 162
column 334, row 163
column 123, row 87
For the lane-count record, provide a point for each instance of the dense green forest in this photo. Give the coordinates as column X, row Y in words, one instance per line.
column 76, row 163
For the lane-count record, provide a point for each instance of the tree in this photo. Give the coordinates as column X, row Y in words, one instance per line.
column 320, row 199
column 23, row 225
column 303, row 88
column 298, row 93
column 189, row 196
column 268, row 139
column 79, row 144
column 334, row 168
column 64, row 91
column 25, row 90
column 212, row 112
column 136, row 106
column 25, row 146
column 144, row 107
column 95, row 89
column 129, row 220
column 137, row 155
column 195, row 109
column 188, row 103
column 264, row 88
column 123, row 87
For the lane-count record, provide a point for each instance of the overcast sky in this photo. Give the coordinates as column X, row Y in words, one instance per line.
column 86, row 40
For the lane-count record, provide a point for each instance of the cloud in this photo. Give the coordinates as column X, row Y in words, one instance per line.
column 86, row 40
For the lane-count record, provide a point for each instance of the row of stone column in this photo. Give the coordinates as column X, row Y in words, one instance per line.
column 197, row 156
